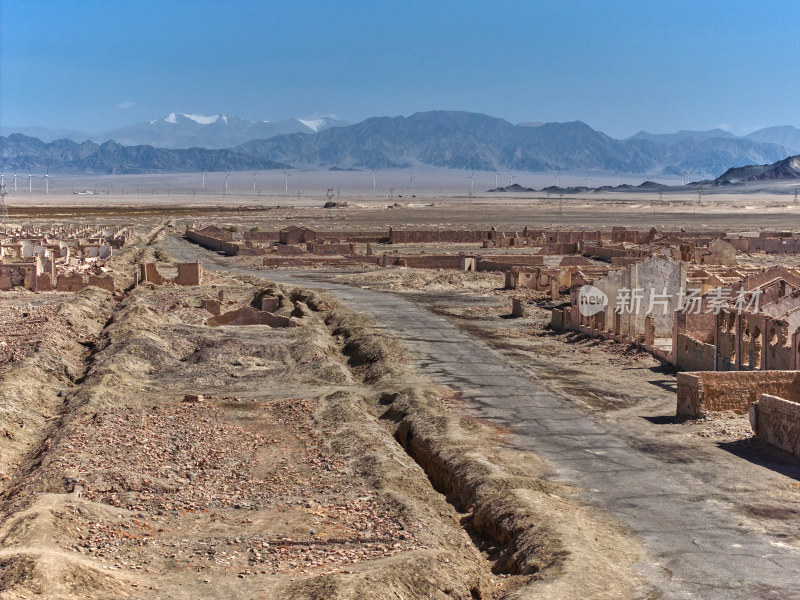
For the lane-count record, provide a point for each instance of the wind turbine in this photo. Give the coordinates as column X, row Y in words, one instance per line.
column 30, row 185
column 286, row 180
column 471, row 183
column 46, row 183
column 412, row 179
column 204, row 180
column 15, row 181
column 496, row 185
column 375, row 178
column 254, row 182
column 511, row 179
column 557, row 181
column 3, row 205
column 588, row 180
column 226, row 181
column 2, row 179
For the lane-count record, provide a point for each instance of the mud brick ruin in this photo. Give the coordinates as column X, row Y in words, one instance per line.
column 739, row 360
column 188, row 274
column 734, row 356
column 63, row 258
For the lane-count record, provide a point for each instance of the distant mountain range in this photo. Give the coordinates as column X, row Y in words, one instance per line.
column 438, row 138
column 22, row 153
column 784, row 170
column 181, row 130
column 475, row 141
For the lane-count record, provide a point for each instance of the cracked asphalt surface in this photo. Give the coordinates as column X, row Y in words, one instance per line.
column 694, row 544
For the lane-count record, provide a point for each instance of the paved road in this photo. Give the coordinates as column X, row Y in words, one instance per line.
column 695, row 549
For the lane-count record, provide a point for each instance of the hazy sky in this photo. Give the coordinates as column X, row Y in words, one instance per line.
column 619, row 66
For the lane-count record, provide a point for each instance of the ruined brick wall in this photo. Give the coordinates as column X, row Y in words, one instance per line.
column 779, row 356
column 204, row 240
column 236, row 249
column 526, row 278
column 70, row 283
column 551, row 249
column 758, row 279
column 288, row 250
column 699, row 326
column 624, row 261
column 705, row 391
column 506, row 263
column 105, row 282
column 189, row 274
column 775, row 245
column 349, row 237
column 300, row 235
column 261, row 236
column 693, row 355
column 148, row 273
column 574, row 261
column 220, row 245
column 44, row 283
column 425, row 262
column 518, row 306
column 621, row 234
column 453, row 237
column 354, row 237
column 775, row 234
column 719, row 252
column 516, row 259
column 776, row 421
column 251, row 316
column 741, row 244
column 341, row 249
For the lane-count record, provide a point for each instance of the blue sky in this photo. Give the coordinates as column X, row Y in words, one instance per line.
column 619, row 66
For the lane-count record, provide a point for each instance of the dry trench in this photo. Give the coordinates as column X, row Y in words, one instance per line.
column 693, row 546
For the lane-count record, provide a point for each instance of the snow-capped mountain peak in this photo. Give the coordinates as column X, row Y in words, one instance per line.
column 313, row 124
column 200, row 119
column 188, row 130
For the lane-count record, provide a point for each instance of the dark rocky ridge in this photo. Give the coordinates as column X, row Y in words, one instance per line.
column 24, row 153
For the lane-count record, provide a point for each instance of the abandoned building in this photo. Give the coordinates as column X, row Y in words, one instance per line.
column 61, row 258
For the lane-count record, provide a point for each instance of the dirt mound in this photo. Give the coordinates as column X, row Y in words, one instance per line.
column 18, row 573
column 42, row 573
column 32, row 389
column 371, row 354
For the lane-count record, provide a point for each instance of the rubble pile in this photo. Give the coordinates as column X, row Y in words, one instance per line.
column 170, row 457
column 174, row 461
column 24, row 327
